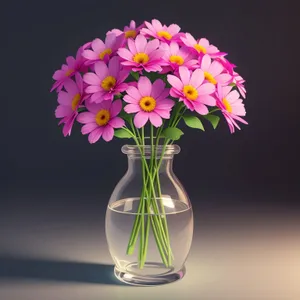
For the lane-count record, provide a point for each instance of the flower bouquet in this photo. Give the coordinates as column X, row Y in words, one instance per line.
column 145, row 82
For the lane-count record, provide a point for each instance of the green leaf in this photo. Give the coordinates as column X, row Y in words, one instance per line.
column 193, row 122
column 122, row 134
column 172, row 133
column 135, row 75
column 214, row 120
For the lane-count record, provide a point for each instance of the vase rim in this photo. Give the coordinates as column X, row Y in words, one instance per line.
column 136, row 150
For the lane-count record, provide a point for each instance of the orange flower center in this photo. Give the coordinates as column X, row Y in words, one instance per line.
column 141, row 58
column 200, row 48
column 227, row 105
column 190, row 92
column 69, row 72
column 75, row 101
column 107, row 51
column 147, row 104
column 165, row 35
column 176, row 59
column 210, row 78
column 108, row 83
column 130, row 34
column 102, row 117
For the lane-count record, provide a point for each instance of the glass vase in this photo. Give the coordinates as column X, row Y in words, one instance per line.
column 149, row 218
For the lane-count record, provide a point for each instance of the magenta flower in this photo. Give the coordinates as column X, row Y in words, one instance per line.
column 102, row 51
column 106, row 81
column 231, row 106
column 176, row 56
column 69, row 102
column 162, row 32
column 214, row 71
column 142, row 55
column 191, row 89
column 201, row 46
column 100, row 120
column 239, row 82
column 149, row 101
column 68, row 70
column 130, row 31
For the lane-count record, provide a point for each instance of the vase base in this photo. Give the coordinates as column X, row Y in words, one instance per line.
column 149, row 275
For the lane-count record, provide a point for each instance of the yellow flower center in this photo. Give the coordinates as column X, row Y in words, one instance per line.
column 200, row 48
column 141, row 58
column 130, row 34
column 69, row 72
column 75, row 101
column 176, row 59
column 147, row 104
column 227, row 105
column 102, row 117
column 107, row 51
column 165, row 35
column 190, row 92
column 108, row 83
column 210, row 78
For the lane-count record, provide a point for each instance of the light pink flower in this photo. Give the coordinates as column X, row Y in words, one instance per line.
column 130, row 31
column 176, row 56
column 100, row 120
column 102, row 51
column 162, row 32
column 106, row 81
column 69, row 102
column 68, row 70
column 192, row 90
column 214, row 71
column 201, row 46
column 231, row 106
column 239, row 82
column 142, row 55
column 149, row 101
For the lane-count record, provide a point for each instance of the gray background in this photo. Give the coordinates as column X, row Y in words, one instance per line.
column 54, row 190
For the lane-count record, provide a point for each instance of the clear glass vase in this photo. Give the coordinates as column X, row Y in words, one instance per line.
column 149, row 218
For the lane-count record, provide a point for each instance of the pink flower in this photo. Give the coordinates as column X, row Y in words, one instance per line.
column 190, row 89
column 103, row 51
column 162, row 32
column 239, row 82
column 175, row 57
column 149, row 101
column 231, row 106
column 213, row 71
column 106, row 81
column 69, row 102
column 142, row 55
column 130, row 31
column 201, row 46
column 228, row 66
column 73, row 66
column 100, row 120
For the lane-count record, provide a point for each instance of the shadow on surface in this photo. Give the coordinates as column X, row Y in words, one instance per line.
column 65, row 271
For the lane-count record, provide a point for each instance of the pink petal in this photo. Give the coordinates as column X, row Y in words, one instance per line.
column 97, row 97
column 206, row 88
column 95, row 135
column 200, row 108
column 71, row 86
column 140, row 43
column 204, row 42
column 115, row 108
column 174, row 48
column 208, row 100
column 114, row 66
column 163, row 113
column 156, row 54
column 175, row 93
column 197, row 78
column 165, row 104
column 101, row 69
column 223, row 78
column 68, row 126
column 190, row 39
column 184, row 75
column 91, row 78
column 59, row 74
column 156, row 25
column 71, row 62
column 110, row 40
column 89, row 127
column 151, row 46
column 175, row 82
column 64, row 98
column 98, row 45
column 116, row 122
column 144, row 86
column 163, row 95
column 216, row 68
column 134, row 93
column 86, row 117
column 157, row 88
column 108, row 133
column 148, row 32
column 205, row 62
column 129, row 99
column 62, row 111
column 131, row 46
column 132, row 108
column 155, row 119
column 140, row 119
column 173, row 29
column 91, row 89
column 89, row 54
column 79, row 82
column 232, row 96
column 125, row 53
